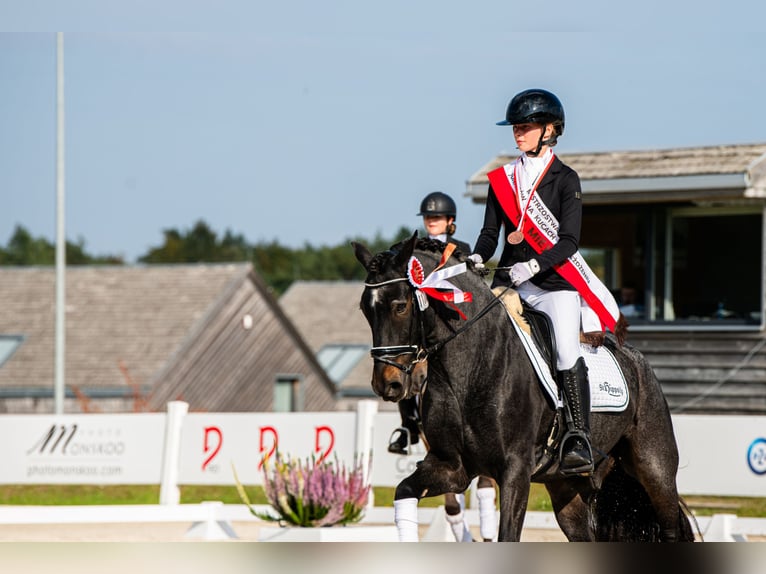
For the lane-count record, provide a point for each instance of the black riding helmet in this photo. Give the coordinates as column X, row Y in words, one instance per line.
column 536, row 106
column 438, row 203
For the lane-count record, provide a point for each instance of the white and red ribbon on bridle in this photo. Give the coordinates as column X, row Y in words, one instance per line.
column 435, row 284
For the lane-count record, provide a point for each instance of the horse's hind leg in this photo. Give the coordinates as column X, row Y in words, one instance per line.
column 485, row 494
column 657, row 474
column 454, row 507
column 569, row 498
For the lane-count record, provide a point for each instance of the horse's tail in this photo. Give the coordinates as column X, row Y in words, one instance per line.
column 622, row 512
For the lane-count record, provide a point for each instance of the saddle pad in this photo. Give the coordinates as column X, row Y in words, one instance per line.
column 608, row 390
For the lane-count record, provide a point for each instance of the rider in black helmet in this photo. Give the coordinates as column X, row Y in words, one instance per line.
column 530, row 197
column 439, row 213
column 536, row 107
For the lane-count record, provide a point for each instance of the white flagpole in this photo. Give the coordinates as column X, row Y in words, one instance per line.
column 58, row 391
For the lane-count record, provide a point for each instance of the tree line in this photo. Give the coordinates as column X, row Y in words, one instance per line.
column 277, row 264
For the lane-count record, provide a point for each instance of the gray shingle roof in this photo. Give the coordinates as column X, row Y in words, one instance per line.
column 739, row 168
column 327, row 312
column 650, row 163
column 159, row 321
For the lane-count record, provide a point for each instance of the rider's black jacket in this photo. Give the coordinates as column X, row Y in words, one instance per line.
column 561, row 193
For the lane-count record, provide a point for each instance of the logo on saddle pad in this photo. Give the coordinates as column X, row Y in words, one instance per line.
column 611, row 390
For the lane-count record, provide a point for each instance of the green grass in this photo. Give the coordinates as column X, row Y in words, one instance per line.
column 59, row 495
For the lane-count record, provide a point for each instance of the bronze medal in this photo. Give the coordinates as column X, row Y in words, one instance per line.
column 515, row 237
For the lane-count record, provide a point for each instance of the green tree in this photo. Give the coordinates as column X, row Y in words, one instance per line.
column 277, row 264
column 280, row 266
column 24, row 249
column 197, row 245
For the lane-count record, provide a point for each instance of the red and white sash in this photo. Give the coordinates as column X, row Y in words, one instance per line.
column 541, row 232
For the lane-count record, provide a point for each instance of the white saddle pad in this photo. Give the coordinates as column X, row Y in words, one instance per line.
column 608, row 390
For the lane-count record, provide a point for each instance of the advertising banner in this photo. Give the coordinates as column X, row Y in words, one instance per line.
column 214, row 444
column 718, row 454
column 721, row 454
column 82, row 449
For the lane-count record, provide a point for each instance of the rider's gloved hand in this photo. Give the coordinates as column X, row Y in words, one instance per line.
column 478, row 262
column 521, row 272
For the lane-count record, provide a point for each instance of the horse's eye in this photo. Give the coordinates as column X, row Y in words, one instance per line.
column 399, row 307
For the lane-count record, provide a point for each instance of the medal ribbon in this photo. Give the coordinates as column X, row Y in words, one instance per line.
column 437, row 280
column 519, row 194
column 542, row 234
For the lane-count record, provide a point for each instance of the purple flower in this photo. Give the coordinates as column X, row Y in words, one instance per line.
column 311, row 493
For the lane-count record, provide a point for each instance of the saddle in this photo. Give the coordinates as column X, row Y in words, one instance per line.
column 542, row 334
column 536, row 327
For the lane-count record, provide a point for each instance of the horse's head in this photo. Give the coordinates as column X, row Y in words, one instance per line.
column 412, row 309
column 388, row 304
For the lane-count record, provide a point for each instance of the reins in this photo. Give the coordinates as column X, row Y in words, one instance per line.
column 468, row 324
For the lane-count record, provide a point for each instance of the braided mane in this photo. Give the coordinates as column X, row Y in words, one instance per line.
column 381, row 261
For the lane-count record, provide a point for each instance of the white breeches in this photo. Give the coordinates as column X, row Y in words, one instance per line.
column 563, row 308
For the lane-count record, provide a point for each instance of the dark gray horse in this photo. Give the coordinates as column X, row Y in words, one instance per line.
column 484, row 413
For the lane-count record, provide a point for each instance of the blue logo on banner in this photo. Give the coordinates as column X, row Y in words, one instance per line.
column 756, row 456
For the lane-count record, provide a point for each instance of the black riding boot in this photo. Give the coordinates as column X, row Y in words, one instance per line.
column 408, row 433
column 576, row 454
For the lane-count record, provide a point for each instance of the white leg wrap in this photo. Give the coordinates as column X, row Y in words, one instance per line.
column 487, row 513
column 406, row 519
column 459, row 527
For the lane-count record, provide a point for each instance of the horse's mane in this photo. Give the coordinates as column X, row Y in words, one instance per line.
column 382, row 260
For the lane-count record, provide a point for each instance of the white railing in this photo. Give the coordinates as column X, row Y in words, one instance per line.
column 178, row 447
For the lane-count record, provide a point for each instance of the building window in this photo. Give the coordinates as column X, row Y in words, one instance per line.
column 338, row 360
column 8, row 346
column 715, row 261
column 680, row 267
column 288, row 393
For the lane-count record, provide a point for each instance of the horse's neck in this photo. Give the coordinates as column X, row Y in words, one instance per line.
column 485, row 320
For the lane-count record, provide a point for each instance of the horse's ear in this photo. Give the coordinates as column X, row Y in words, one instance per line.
column 404, row 254
column 362, row 254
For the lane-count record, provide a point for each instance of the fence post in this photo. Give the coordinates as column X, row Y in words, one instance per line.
column 171, row 455
column 365, row 423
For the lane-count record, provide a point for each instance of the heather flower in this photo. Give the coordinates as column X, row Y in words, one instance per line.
column 311, row 493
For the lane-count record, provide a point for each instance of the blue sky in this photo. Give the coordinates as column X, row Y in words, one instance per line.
column 312, row 122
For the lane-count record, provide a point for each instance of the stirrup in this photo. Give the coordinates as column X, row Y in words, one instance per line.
column 584, row 469
column 395, row 445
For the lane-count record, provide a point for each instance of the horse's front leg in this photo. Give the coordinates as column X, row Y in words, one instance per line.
column 514, row 497
column 432, row 477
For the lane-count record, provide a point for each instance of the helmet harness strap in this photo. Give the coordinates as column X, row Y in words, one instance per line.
column 550, row 141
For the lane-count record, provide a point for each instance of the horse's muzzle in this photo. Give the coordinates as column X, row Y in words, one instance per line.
column 390, row 383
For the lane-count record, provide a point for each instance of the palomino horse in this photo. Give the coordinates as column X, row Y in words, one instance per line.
column 484, row 413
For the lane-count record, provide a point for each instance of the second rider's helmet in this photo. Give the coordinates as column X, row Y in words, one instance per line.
column 438, row 203
column 535, row 106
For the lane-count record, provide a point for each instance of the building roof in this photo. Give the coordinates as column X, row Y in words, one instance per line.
column 696, row 173
column 328, row 313
column 174, row 330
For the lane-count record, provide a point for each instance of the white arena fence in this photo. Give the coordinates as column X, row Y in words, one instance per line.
column 178, row 447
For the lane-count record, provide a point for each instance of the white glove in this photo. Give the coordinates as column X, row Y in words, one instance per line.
column 521, row 272
column 478, row 262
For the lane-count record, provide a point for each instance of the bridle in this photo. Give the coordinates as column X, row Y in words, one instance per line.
column 387, row 354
